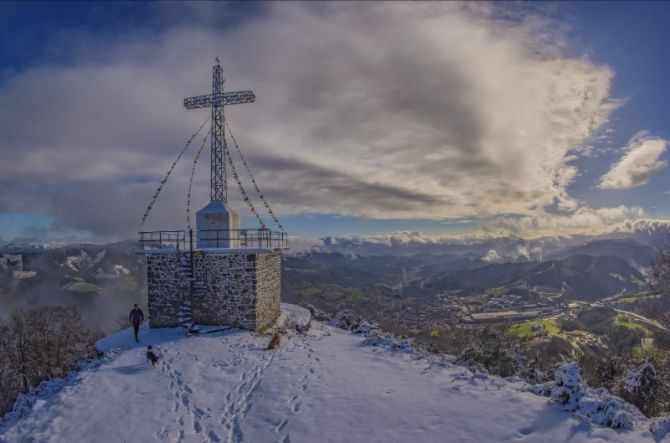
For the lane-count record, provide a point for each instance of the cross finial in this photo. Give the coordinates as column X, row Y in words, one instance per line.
column 216, row 100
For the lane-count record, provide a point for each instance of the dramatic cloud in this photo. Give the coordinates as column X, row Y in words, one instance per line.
column 640, row 160
column 379, row 110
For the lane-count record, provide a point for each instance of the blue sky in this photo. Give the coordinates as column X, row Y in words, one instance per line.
column 544, row 119
column 630, row 37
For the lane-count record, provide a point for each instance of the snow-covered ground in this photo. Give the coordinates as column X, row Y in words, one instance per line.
column 323, row 386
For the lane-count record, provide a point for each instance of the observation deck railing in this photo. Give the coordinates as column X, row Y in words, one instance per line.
column 213, row 239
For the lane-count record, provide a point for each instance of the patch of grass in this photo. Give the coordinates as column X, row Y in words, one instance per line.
column 627, row 300
column 635, row 299
column 82, row 287
column 356, row 294
column 308, row 292
column 625, row 322
column 618, row 277
column 497, row 291
column 524, row 329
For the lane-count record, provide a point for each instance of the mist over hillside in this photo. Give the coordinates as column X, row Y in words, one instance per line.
column 102, row 281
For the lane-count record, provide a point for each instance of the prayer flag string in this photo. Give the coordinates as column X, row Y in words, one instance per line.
column 174, row 164
column 240, row 187
column 190, row 182
column 253, row 180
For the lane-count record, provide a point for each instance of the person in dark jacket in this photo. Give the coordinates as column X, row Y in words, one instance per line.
column 136, row 318
column 151, row 356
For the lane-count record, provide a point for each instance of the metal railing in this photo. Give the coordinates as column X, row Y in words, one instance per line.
column 163, row 240
column 214, row 239
column 241, row 238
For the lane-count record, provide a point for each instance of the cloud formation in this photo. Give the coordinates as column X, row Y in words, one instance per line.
column 378, row 110
column 641, row 159
column 584, row 220
column 492, row 257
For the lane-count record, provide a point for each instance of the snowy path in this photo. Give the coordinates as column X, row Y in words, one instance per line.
column 322, row 387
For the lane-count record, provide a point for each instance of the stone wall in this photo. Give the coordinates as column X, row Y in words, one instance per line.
column 230, row 298
column 242, row 290
column 166, row 291
column 268, row 289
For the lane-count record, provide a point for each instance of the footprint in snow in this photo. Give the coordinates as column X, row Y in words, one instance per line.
column 281, row 426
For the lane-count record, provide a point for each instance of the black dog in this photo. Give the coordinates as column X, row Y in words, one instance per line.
column 151, row 356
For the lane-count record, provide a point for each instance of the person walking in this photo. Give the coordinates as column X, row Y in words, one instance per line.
column 136, row 318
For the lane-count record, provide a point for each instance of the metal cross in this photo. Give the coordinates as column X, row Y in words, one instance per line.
column 217, row 100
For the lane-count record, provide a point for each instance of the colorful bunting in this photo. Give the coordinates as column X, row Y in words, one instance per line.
column 174, row 164
column 253, row 180
column 190, row 182
column 239, row 184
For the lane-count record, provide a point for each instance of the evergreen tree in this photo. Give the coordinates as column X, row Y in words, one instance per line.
column 609, row 374
column 645, row 388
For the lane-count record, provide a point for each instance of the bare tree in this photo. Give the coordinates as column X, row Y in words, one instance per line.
column 659, row 279
column 40, row 344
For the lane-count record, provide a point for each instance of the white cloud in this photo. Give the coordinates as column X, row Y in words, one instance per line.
column 529, row 253
column 492, row 257
column 406, row 237
column 641, row 159
column 582, row 221
column 377, row 110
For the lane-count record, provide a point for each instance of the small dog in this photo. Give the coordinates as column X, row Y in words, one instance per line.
column 276, row 341
column 151, row 356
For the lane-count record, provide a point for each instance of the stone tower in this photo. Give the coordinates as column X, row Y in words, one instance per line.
column 231, row 286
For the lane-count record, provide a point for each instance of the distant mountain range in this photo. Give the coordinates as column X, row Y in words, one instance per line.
column 578, row 270
column 636, row 254
column 104, row 280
